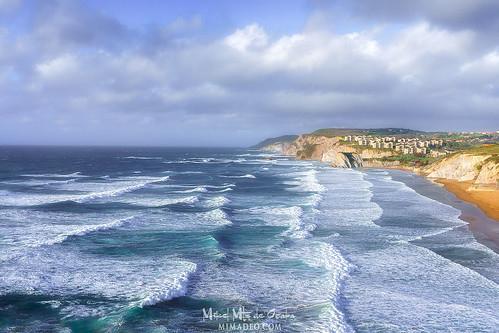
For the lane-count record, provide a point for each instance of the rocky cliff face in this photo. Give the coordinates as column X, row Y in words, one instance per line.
column 278, row 148
column 340, row 159
column 459, row 167
column 489, row 173
column 480, row 169
column 327, row 149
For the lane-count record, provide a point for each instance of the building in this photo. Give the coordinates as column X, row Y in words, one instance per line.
column 420, row 150
column 408, row 150
column 388, row 145
column 437, row 153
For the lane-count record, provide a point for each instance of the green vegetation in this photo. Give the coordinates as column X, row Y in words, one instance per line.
column 279, row 139
column 411, row 160
column 456, row 145
column 489, row 149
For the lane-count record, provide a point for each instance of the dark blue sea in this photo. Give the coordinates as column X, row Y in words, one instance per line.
column 211, row 240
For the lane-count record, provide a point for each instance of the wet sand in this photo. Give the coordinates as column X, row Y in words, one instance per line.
column 484, row 228
column 486, row 199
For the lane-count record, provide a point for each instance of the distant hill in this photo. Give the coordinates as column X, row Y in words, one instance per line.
column 279, row 139
column 368, row 131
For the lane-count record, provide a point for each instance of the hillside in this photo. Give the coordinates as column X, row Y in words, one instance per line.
column 476, row 163
column 276, row 140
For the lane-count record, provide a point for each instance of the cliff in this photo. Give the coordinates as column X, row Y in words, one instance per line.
column 275, row 143
column 466, row 167
column 472, row 176
column 479, row 165
column 330, row 150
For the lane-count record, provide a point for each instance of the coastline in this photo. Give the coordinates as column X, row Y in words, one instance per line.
column 486, row 200
column 484, row 228
column 479, row 208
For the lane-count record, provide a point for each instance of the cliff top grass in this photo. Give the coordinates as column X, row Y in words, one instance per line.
column 411, row 160
column 492, row 149
column 487, row 149
column 484, row 149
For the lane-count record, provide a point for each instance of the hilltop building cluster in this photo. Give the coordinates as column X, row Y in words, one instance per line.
column 403, row 145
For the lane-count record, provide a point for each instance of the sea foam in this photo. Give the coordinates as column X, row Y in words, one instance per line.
column 17, row 199
column 82, row 230
column 169, row 288
column 241, row 176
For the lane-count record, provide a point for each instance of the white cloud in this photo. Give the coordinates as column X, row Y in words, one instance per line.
column 61, row 67
column 245, row 82
column 250, row 37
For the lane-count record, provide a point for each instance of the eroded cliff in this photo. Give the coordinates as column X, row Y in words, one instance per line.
column 473, row 166
column 479, row 169
column 330, row 150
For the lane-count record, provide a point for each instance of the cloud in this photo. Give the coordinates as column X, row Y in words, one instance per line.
column 7, row 6
column 250, row 37
column 60, row 24
column 81, row 77
column 481, row 15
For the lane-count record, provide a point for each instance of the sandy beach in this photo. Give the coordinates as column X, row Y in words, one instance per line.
column 484, row 227
column 486, row 200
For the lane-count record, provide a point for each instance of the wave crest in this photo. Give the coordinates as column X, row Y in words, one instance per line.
column 170, row 289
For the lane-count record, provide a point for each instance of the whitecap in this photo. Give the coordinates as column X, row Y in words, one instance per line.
column 18, row 199
column 82, row 230
column 39, row 182
column 217, row 201
column 118, row 191
column 159, row 202
column 55, row 175
column 243, row 176
column 290, row 217
column 216, row 217
column 188, row 172
column 305, row 181
column 195, row 189
column 224, row 190
column 169, row 288
column 142, row 157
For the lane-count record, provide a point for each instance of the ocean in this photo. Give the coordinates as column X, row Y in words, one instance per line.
column 207, row 240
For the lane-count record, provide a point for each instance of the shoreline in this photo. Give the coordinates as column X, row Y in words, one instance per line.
column 487, row 200
column 484, row 228
column 479, row 208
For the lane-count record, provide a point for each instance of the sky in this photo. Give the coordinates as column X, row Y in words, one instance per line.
column 231, row 73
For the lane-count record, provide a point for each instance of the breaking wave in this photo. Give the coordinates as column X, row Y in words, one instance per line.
column 55, row 175
column 218, row 201
column 243, row 176
column 142, row 157
column 83, row 230
column 170, row 288
column 305, row 181
column 196, row 189
column 215, row 216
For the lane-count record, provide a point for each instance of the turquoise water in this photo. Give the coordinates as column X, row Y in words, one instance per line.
column 151, row 239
